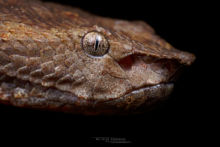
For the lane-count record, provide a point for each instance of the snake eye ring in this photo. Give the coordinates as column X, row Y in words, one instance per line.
column 95, row 44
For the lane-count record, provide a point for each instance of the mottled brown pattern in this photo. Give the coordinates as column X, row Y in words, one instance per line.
column 43, row 64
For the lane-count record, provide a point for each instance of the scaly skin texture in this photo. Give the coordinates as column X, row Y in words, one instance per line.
column 43, row 64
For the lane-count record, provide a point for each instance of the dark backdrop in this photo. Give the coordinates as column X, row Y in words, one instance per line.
column 178, row 120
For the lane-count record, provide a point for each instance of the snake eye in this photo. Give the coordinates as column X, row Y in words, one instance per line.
column 95, row 44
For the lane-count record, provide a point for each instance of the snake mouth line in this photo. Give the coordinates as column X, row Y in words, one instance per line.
column 155, row 91
column 165, row 86
column 137, row 100
column 147, row 94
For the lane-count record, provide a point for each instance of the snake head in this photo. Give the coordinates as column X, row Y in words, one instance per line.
column 132, row 65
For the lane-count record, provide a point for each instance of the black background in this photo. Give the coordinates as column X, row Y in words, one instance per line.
column 180, row 120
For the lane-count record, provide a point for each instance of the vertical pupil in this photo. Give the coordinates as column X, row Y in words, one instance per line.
column 96, row 43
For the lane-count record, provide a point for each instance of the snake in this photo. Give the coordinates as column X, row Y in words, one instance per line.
column 61, row 58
